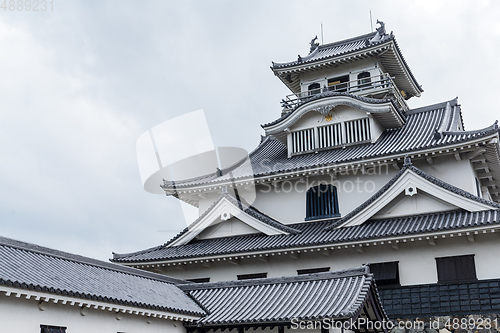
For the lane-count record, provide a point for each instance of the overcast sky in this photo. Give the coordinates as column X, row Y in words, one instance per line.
column 81, row 83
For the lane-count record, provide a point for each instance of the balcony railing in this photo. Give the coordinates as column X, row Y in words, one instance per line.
column 363, row 86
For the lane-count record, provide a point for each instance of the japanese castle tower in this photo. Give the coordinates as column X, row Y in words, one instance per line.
column 349, row 174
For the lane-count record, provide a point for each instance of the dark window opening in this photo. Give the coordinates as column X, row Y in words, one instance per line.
column 322, row 202
column 478, row 188
column 386, row 274
column 52, row 329
column 252, row 276
column 199, row 280
column 339, row 84
column 456, row 268
column 313, row 270
column 364, row 79
column 314, row 89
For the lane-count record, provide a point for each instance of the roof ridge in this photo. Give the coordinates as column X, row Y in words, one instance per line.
column 34, row 248
column 306, row 58
column 491, row 128
column 432, row 107
column 333, row 94
column 357, row 271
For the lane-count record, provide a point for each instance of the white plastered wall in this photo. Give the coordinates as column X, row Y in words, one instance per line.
column 287, row 202
column 417, row 262
column 352, row 69
column 22, row 315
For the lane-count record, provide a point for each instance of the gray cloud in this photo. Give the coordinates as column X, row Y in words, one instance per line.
column 80, row 84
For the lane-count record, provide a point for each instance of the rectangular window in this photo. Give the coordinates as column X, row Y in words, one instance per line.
column 354, row 131
column 52, row 329
column 199, row 280
column 303, row 140
column 357, row 130
column 457, row 268
column 330, row 135
column 252, row 276
column 339, row 84
column 313, row 270
column 386, row 273
column 478, row 188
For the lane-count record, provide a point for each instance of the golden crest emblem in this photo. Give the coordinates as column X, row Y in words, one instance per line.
column 328, row 117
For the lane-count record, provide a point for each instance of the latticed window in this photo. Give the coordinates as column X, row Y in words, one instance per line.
column 322, row 202
column 331, row 135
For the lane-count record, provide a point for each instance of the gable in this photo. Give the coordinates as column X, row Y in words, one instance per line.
column 231, row 227
column 413, row 191
column 404, row 205
column 242, row 219
column 330, row 116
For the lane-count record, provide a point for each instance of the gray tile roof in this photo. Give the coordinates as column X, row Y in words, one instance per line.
column 335, row 49
column 306, row 297
column 331, row 94
column 315, row 233
column 28, row 266
column 271, row 156
column 345, row 47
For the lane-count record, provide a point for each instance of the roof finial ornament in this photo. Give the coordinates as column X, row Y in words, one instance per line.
column 379, row 36
column 314, row 45
column 299, row 59
column 407, row 161
column 381, row 29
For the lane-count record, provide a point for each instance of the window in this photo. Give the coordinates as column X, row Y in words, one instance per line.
column 199, row 280
column 332, row 135
column 314, row 89
column 478, row 188
column 252, row 276
column 339, row 84
column 457, row 268
column 303, row 140
column 313, row 270
column 321, row 202
column 386, row 274
column 364, row 80
column 52, row 329
column 357, row 130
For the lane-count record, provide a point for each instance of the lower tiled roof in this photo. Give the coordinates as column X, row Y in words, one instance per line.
column 271, row 156
column 314, row 233
column 442, row 299
column 307, row 297
column 28, row 266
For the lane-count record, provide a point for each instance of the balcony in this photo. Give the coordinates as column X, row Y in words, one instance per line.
column 378, row 86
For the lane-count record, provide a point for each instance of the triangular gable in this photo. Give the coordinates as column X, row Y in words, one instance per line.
column 411, row 181
column 226, row 208
column 231, row 227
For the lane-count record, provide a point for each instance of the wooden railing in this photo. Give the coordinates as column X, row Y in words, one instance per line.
column 358, row 87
